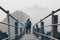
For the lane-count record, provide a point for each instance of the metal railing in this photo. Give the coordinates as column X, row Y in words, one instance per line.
column 22, row 30
column 39, row 32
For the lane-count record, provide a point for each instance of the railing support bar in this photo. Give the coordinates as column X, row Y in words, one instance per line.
column 54, row 27
column 42, row 30
column 16, row 30
column 8, row 20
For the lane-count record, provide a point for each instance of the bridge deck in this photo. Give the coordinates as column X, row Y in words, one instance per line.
column 29, row 37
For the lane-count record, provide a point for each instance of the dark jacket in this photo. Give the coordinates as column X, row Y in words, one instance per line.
column 28, row 24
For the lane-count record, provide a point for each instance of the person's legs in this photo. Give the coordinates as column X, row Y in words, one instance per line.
column 29, row 31
column 26, row 30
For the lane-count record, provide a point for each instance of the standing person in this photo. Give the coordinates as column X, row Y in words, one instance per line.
column 37, row 30
column 1, row 34
column 28, row 26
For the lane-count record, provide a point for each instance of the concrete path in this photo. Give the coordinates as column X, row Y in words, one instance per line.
column 29, row 37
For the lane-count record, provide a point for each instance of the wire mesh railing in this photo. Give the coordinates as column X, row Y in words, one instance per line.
column 16, row 27
column 40, row 32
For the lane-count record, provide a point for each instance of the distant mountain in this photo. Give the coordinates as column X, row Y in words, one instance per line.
column 37, row 13
column 20, row 15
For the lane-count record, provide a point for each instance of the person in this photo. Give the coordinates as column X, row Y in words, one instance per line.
column 1, row 34
column 28, row 26
column 37, row 29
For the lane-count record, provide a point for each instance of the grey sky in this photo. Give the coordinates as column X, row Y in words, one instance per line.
column 13, row 5
column 21, row 4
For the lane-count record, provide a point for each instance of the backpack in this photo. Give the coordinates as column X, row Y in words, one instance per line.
column 28, row 24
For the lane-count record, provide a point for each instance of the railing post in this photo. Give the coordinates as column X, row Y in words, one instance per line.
column 42, row 30
column 8, row 20
column 37, row 30
column 16, row 30
column 21, row 31
column 33, row 29
column 54, row 27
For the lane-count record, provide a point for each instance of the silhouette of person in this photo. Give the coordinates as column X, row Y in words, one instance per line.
column 37, row 29
column 1, row 35
column 28, row 26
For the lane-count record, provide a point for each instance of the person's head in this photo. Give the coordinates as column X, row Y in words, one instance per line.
column 36, row 25
column 28, row 19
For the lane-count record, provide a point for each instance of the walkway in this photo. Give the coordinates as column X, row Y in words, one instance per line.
column 29, row 37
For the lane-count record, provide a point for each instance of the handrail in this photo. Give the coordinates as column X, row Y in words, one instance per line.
column 53, row 12
column 12, row 26
column 46, row 35
column 54, row 24
column 7, row 12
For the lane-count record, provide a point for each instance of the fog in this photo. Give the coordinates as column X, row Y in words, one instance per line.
column 36, row 9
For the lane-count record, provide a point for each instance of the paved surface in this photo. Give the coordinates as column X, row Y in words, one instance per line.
column 29, row 37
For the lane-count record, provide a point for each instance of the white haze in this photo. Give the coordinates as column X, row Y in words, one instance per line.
column 37, row 9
